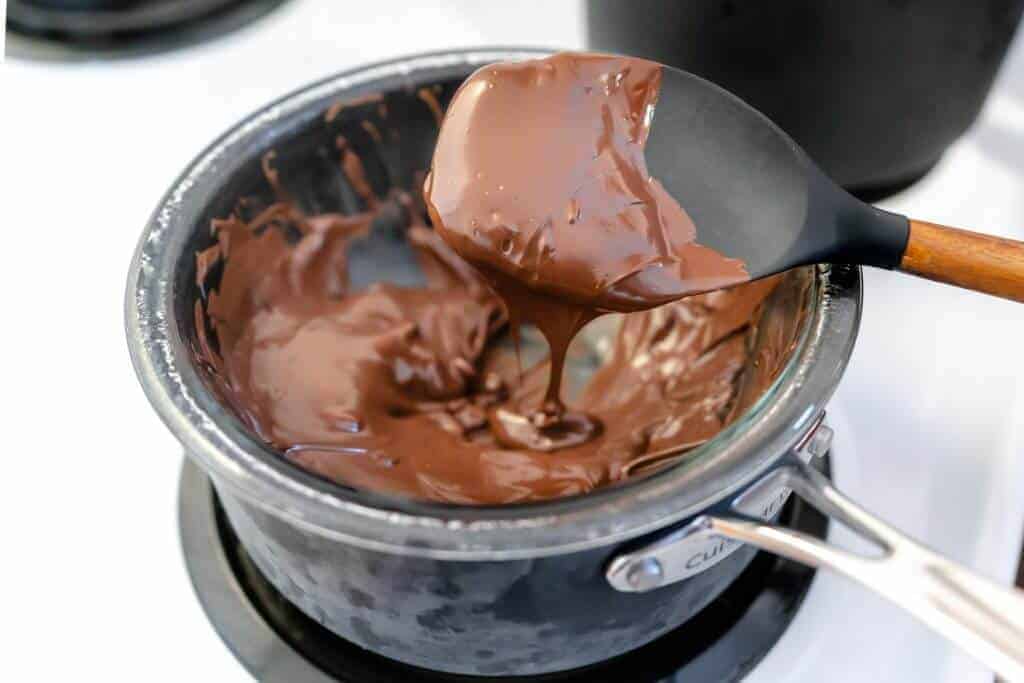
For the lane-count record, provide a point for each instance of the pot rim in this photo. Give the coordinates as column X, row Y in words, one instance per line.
column 242, row 465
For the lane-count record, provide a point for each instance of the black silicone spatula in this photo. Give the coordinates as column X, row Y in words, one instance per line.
column 754, row 195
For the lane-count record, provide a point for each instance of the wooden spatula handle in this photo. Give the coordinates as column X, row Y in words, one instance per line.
column 966, row 259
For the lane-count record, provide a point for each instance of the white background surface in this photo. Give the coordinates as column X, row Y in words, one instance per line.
column 929, row 413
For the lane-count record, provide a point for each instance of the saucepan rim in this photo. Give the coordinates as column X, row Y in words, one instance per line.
column 242, row 464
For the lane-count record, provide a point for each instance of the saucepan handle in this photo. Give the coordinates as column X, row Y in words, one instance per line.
column 984, row 618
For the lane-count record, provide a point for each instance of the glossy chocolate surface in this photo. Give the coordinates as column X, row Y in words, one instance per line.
column 415, row 389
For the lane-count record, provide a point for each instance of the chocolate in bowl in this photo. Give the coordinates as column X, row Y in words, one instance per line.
column 416, row 389
column 449, row 587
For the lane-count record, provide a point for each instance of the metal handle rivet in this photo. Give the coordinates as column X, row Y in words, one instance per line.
column 645, row 574
column 820, row 441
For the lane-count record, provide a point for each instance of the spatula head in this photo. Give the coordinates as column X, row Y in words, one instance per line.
column 740, row 178
column 752, row 193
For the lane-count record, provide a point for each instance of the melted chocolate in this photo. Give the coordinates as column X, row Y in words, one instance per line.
column 539, row 180
column 539, row 175
column 411, row 390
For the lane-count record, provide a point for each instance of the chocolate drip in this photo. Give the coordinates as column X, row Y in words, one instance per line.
column 539, row 180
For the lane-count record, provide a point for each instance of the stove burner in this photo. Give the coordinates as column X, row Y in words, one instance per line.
column 277, row 643
column 87, row 29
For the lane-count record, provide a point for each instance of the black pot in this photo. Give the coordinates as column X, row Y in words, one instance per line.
column 96, row 19
column 873, row 90
column 518, row 589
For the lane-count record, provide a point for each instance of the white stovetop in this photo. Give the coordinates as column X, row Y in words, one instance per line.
column 929, row 414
